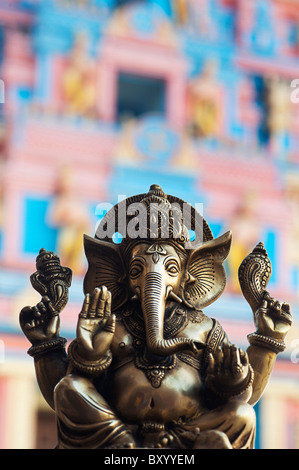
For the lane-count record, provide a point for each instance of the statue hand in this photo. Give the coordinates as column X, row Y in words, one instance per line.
column 228, row 368
column 273, row 318
column 96, row 325
column 40, row 323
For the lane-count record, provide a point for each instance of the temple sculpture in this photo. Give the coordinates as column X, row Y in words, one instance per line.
column 148, row 368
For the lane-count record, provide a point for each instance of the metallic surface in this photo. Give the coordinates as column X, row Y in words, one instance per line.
column 148, row 368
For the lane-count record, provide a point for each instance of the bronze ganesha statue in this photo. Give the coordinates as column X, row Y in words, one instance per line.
column 147, row 367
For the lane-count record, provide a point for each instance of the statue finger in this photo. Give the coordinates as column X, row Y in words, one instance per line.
column 107, row 308
column 286, row 315
column 100, row 309
column 94, row 302
column 277, row 305
column 267, row 296
column 211, row 365
column 226, row 350
column 52, row 310
column 36, row 311
column 286, row 307
column 47, row 303
column 30, row 325
column 282, row 311
column 244, row 357
column 269, row 299
column 85, row 307
column 218, row 356
column 237, row 366
column 41, row 307
column 29, row 318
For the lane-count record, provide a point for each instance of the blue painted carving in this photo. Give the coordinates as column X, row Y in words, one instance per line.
column 145, row 18
column 263, row 33
column 156, row 140
column 56, row 25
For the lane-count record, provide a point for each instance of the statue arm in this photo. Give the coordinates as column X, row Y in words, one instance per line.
column 50, row 368
column 41, row 327
column 272, row 320
column 262, row 361
column 41, row 323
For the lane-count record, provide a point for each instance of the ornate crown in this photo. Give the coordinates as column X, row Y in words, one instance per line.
column 153, row 216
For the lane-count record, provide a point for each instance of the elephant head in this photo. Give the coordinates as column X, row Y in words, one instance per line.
column 155, row 272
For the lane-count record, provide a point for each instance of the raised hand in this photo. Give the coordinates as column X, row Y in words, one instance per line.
column 40, row 323
column 273, row 318
column 96, row 325
column 228, row 370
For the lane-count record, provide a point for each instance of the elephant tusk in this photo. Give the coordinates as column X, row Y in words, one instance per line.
column 135, row 297
column 175, row 297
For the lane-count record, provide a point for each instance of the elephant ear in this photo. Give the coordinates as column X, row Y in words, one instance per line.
column 105, row 268
column 205, row 275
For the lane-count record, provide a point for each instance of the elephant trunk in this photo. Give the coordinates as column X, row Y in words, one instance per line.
column 154, row 298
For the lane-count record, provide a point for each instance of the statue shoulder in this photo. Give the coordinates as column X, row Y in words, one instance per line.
column 199, row 325
column 208, row 329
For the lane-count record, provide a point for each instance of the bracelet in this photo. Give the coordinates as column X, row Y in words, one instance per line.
column 266, row 342
column 46, row 346
column 235, row 391
column 88, row 367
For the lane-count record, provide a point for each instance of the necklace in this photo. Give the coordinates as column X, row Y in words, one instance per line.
column 154, row 367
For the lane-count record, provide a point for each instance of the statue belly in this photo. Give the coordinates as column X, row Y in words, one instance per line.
column 135, row 399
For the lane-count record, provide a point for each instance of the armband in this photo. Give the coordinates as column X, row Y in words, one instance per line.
column 267, row 342
column 47, row 346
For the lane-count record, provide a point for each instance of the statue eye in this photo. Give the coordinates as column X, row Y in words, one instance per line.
column 135, row 271
column 172, row 268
